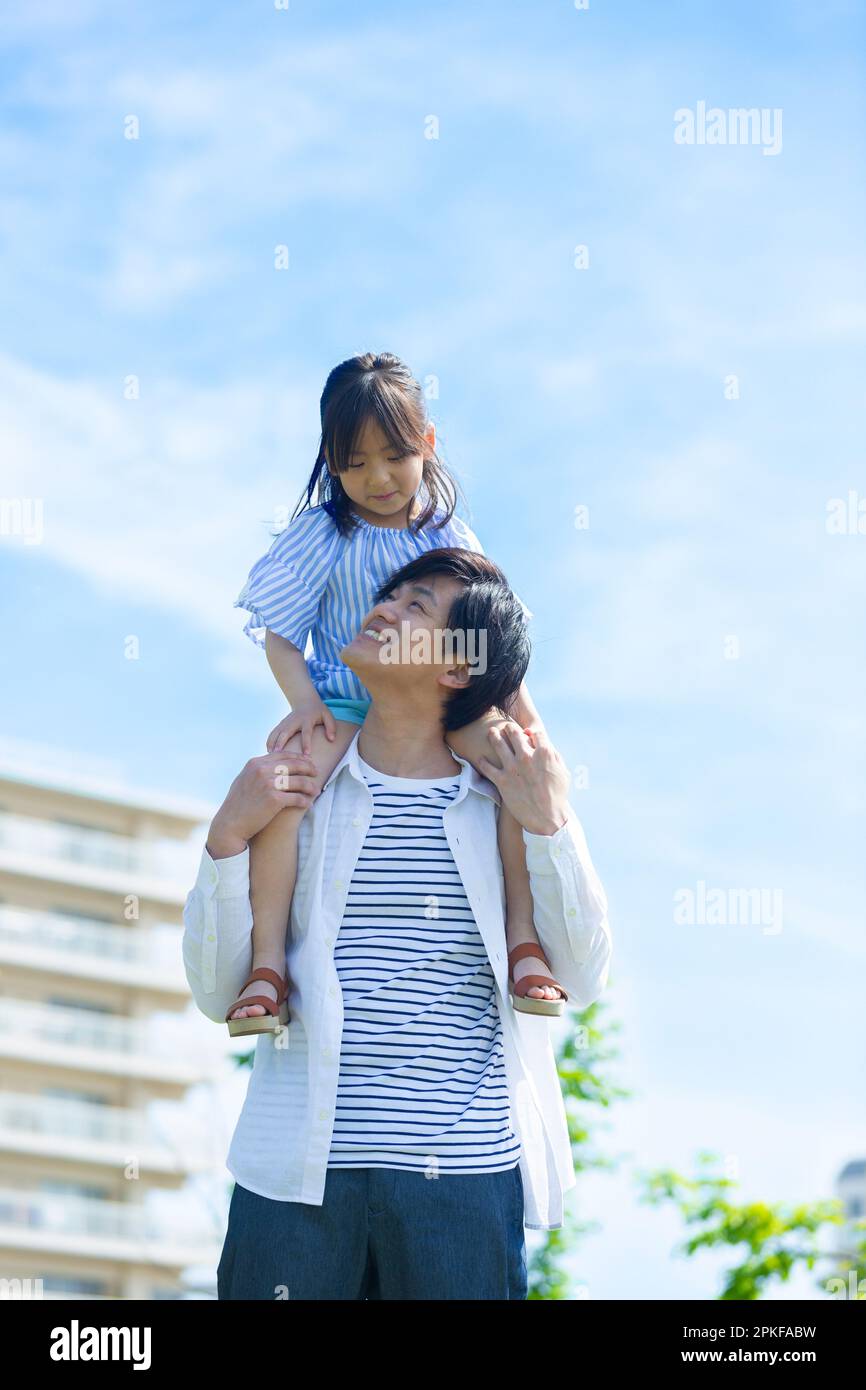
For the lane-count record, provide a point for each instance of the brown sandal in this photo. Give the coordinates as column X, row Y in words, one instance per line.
column 519, row 998
column 277, row 1013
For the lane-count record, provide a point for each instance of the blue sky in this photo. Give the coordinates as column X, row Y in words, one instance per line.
column 558, row 387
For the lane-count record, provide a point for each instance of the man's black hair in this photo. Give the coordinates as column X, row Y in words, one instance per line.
column 485, row 603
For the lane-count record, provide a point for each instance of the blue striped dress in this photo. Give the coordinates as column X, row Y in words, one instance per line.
column 315, row 582
column 422, row 1082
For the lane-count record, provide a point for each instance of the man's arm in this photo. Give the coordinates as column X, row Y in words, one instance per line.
column 217, row 935
column 217, row 915
column 568, row 900
column 570, row 910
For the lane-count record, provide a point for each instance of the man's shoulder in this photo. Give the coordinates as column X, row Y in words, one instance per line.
column 481, row 805
column 484, row 788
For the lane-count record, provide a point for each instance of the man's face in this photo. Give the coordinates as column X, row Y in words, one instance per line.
column 408, row 623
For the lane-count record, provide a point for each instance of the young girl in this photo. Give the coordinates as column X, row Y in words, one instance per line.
column 383, row 498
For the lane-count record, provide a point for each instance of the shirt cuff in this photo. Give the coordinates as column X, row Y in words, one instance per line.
column 224, row 878
column 542, row 851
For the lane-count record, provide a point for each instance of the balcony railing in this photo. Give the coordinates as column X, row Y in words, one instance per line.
column 91, row 1219
column 99, row 849
column 165, row 1039
column 99, row 1126
column 80, row 937
column 51, row 1115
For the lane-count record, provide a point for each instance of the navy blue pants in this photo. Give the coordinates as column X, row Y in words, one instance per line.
column 380, row 1233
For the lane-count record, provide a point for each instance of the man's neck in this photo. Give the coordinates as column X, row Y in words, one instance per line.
column 401, row 743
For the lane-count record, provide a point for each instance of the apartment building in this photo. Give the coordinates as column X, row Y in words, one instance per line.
column 99, row 1043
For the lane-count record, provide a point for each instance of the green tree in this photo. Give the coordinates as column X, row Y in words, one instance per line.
column 582, row 1058
column 774, row 1240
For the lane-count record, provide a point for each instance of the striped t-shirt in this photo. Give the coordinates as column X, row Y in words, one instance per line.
column 422, row 1082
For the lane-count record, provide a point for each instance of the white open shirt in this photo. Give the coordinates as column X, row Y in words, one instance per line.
column 282, row 1140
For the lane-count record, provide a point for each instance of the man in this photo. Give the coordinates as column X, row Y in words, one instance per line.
column 405, row 1125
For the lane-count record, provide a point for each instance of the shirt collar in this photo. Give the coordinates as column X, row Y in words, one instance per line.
column 470, row 780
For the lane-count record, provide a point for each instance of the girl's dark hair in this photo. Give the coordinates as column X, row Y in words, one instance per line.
column 374, row 386
column 485, row 603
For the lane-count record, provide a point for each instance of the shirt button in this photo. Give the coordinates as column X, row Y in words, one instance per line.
column 338, row 883
column 326, row 1052
column 211, row 937
column 356, row 820
column 332, row 990
column 323, row 1114
column 572, row 912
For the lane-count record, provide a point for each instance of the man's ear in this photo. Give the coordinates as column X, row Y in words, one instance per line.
column 456, row 677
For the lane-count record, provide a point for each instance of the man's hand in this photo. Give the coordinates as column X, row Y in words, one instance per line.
column 533, row 779
column 263, row 787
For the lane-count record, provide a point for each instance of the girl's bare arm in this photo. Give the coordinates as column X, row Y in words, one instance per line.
column 290, row 669
column 523, row 711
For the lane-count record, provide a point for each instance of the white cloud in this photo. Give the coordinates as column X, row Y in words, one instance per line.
column 155, row 498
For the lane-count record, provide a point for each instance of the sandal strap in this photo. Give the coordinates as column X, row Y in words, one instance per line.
column 526, row 948
column 279, row 982
column 521, row 987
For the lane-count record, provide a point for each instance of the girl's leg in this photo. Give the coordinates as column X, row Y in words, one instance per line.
column 274, row 863
column 473, row 744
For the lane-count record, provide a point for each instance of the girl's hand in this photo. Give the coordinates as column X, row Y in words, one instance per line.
column 303, row 720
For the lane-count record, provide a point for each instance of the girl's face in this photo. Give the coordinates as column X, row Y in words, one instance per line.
column 380, row 482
